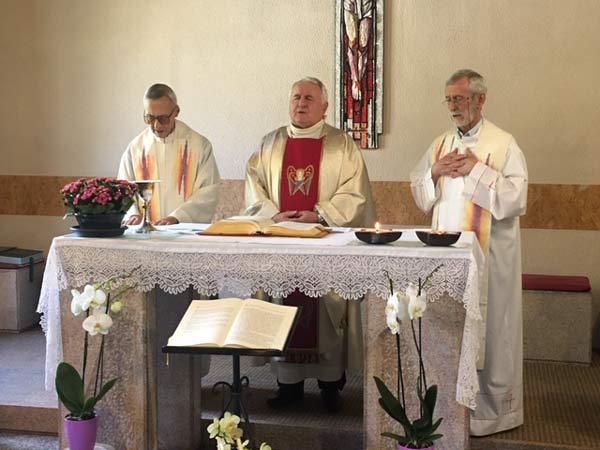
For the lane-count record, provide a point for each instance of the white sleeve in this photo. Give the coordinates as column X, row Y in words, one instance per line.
column 126, row 173
column 503, row 193
column 424, row 192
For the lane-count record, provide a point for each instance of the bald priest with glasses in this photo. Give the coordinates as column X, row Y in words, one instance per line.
column 170, row 151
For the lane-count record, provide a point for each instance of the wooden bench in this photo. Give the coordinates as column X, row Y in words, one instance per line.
column 557, row 318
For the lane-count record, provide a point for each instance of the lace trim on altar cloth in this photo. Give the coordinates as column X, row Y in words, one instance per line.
column 276, row 272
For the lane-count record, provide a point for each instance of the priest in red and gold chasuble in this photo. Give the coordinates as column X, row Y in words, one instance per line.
column 170, row 151
column 299, row 192
column 300, row 174
column 309, row 171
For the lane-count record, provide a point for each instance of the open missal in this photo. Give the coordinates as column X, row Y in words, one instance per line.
column 253, row 225
column 233, row 322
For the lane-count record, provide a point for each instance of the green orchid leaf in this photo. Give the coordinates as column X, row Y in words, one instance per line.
column 400, row 439
column 74, row 408
column 69, row 387
column 430, row 399
column 407, row 426
column 436, row 425
column 391, row 404
column 107, row 387
column 88, row 406
column 422, row 424
column 433, row 437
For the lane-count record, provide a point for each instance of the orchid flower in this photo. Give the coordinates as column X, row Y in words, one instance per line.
column 75, row 303
column 417, row 306
column 265, row 446
column 98, row 322
column 396, row 307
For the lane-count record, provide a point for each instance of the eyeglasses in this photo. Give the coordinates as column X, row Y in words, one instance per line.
column 457, row 99
column 163, row 120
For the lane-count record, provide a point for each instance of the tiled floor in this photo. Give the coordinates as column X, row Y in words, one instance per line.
column 22, row 370
column 561, row 405
column 10, row 441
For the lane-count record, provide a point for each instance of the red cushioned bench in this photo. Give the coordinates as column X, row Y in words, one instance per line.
column 557, row 318
column 565, row 283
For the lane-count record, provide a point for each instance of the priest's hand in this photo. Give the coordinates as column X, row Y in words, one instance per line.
column 445, row 166
column 169, row 220
column 307, row 216
column 133, row 220
column 464, row 164
column 296, row 216
column 289, row 216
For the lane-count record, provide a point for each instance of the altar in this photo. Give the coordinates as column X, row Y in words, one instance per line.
column 173, row 261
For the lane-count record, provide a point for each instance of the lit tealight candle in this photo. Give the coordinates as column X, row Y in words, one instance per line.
column 377, row 227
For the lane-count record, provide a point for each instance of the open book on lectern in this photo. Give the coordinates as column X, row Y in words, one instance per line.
column 236, row 323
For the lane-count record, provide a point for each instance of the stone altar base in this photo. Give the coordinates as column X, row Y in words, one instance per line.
column 129, row 418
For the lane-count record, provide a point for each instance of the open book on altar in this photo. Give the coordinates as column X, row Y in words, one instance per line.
column 253, row 225
column 233, row 322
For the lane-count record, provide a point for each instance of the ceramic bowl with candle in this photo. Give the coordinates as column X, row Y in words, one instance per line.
column 438, row 238
column 377, row 235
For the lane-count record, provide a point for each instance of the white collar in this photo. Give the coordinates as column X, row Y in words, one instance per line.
column 313, row 132
column 472, row 132
column 169, row 139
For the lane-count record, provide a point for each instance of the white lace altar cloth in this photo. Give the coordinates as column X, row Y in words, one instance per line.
column 339, row 262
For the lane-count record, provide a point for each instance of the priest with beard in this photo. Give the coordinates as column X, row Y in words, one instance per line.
column 474, row 177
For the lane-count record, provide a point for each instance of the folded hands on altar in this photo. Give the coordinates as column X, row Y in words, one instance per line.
column 136, row 220
column 296, row 216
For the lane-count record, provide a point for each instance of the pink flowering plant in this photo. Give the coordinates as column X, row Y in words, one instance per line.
column 100, row 195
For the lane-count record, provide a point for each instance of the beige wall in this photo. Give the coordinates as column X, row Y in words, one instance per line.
column 73, row 73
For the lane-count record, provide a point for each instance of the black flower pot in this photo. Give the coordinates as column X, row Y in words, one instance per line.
column 99, row 221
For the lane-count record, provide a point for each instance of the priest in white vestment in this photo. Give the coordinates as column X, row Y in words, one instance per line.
column 309, row 171
column 170, row 151
column 474, row 177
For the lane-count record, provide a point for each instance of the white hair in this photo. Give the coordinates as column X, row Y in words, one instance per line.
column 316, row 81
column 476, row 82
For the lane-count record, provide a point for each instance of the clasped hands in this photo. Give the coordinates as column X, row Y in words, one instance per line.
column 454, row 165
column 296, row 216
column 136, row 219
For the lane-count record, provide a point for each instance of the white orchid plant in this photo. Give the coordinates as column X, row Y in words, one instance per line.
column 228, row 434
column 402, row 306
column 95, row 301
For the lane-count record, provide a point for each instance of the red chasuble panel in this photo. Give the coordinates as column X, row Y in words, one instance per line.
column 300, row 174
column 299, row 192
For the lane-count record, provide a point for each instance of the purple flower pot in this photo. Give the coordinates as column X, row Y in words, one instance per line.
column 81, row 434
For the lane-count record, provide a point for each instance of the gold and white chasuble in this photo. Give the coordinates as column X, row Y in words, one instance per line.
column 184, row 163
column 344, row 199
column 488, row 201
